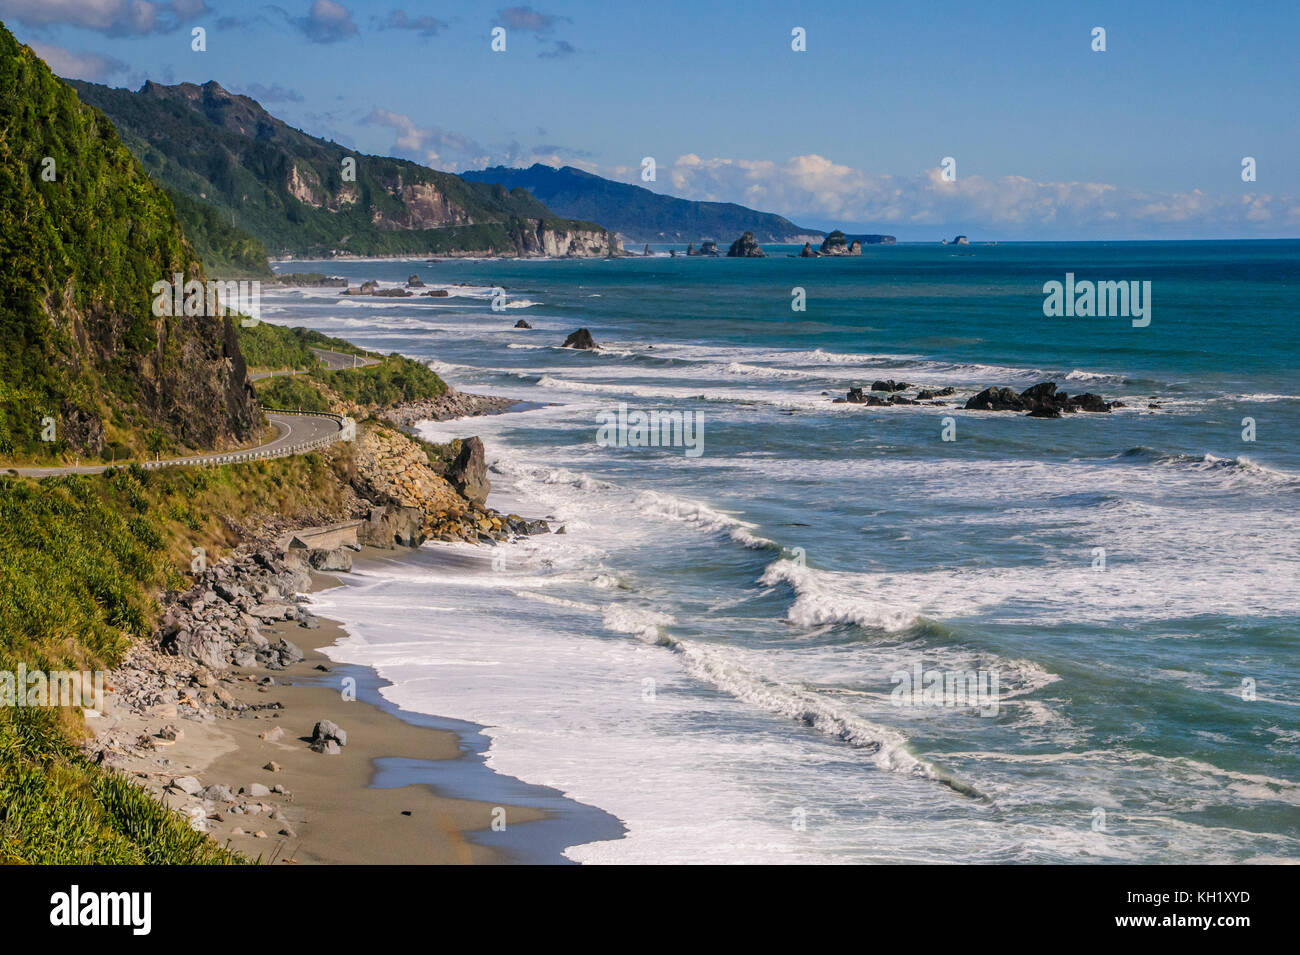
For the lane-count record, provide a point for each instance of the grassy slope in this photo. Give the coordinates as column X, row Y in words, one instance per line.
column 79, row 560
column 396, row 379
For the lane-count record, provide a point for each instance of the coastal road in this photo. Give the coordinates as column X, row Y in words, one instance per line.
column 297, row 434
column 332, row 360
column 335, row 360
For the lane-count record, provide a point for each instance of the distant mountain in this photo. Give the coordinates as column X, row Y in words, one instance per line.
column 85, row 364
column 640, row 215
column 295, row 193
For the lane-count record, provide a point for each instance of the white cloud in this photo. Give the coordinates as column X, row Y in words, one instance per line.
column 78, row 66
column 815, row 187
column 114, row 17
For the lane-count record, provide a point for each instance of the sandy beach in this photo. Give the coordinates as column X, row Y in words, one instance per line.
column 405, row 789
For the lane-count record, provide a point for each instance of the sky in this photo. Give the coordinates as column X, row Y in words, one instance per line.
column 1049, row 138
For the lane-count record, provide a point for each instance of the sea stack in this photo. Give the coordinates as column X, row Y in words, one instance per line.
column 580, row 339
column 838, row 244
column 746, row 247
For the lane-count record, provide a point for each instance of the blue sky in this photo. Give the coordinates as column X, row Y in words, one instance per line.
column 1051, row 139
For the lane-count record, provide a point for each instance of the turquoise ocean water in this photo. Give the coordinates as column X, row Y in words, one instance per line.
column 712, row 650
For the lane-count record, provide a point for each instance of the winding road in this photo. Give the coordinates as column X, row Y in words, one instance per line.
column 298, row 433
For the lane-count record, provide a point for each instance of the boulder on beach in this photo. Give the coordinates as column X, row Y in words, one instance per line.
column 746, row 247
column 414, row 282
column 328, row 560
column 580, row 339
column 325, row 733
column 889, row 385
column 522, row 324
column 468, row 472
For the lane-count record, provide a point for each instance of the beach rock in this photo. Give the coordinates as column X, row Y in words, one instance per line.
column 187, row 784
column 256, row 790
column 327, row 560
column 414, row 282
column 746, row 247
column 436, row 293
column 327, row 747
column 708, row 247
column 580, row 339
column 889, row 385
column 996, row 399
column 522, row 324
column 272, row 767
column 216, row 793
column 807, row 251
column 929, row 394
column 468, row 472
column 287, row 652
column 272, row 735
column 326, row 731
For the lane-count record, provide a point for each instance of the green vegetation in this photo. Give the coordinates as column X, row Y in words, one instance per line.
column 394, row 380
column 79, row 560
column 291, row 393
column 226, row 250
column 288, row 188
column 83, row 239
column 276, row 346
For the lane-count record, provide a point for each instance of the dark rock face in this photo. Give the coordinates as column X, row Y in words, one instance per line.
column 996, row 399
column 522, row 324
column 330, row 560
column 961, row 240
column 929, row 394
column 414, row 282
column 580, row 339
column 436, row 293
column 838, row 244
column 392, row 526
column 857, row 396
column 468, row 473
column 1040, row 401
column 746, row 247
column 889, row 385
column 690, row 249
column 807, row 252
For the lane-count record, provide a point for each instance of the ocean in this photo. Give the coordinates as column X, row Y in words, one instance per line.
column 837, row 633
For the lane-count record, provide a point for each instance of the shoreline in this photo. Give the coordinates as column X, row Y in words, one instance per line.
column 407, row 788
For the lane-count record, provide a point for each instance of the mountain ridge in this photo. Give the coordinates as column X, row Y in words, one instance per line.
column 302, row 195
column 641, row 215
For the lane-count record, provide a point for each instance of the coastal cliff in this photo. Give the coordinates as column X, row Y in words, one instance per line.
column 87, row 368
column 299, row 195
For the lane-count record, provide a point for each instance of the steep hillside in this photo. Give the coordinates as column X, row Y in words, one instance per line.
column 84, row 235
column 636, row 213
column 294, row 193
